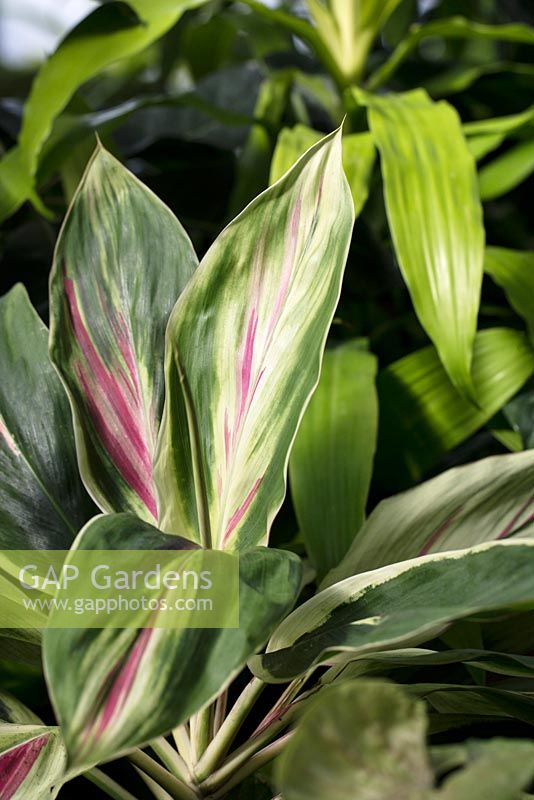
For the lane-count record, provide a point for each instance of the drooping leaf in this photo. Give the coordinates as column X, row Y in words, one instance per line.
column 486, row 135
column 435, row 219
column 453, row 28
column 127, row 686
column 513, row 270
column 121, row 262
column 332, row 458
column 520, row 414
column 244, row 345
column 461, row 77
column 464, row 506
column 423, row 416
column 358, row 158
column 110, row 32
column 42, row 501
column 506, row 171
column 14, row 712
column 360, row 739
column 400, row 605
column 32, row 761
column 481, row 701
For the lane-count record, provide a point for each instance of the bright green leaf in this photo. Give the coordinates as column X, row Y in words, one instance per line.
column 332, row 458
column 513, row 270
column 435, row 219
column 506, row 171
column 423, row 416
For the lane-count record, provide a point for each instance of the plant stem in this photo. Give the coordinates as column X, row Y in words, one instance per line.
column 108, row 785
column 154, row 788
column 219, row 746
column 201, row 732
column 183, row 743
column 219, row 713
column 253, row 764
column 170, row 758
column 175, row 787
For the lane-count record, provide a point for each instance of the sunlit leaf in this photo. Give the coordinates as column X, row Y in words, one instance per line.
column 332, row 458
column 513, row 270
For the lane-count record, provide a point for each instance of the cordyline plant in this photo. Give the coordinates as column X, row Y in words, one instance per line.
column 187, row 383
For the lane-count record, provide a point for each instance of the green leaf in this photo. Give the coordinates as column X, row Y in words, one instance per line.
column 124, row 687
column 464, row 506
column 506, row 171
column 113, row 31
column 332, row 458
column 453, row 28
column 244, row 345
column 349, row 28
column 463, row 76
column 481, row 701
column 32, row 761
column 520, row 414
column 358, row 158
column 121, row 261
column 513, row 270
column 359, row 740
column 399, row 605
column 42, row 500
column 486, row 135
column 435, row 219
column 423, row 416
column 499, row 769
column 15, row 712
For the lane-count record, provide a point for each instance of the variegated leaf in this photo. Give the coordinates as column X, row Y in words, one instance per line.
column 244, row 346
column 32, row 762
column 401, row 605
column 490, row 499
column 42, row 500
column 121, row 262
column 126, row 686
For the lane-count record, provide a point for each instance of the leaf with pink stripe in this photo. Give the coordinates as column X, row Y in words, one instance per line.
column 244, row 347
column 121, row 262
column 32, row 761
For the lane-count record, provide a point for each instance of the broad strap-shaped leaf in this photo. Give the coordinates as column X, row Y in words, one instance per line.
column 43, row 502
column 127, row 686
column 113, row 31
column 464, row 506
column 358, row 158
column 513, row 270
column 121, row 261
column 359, row 739
column 435, row 218
column 400, row 605
column 332, row 458
column 15, row 712
column 32, row 762
column 244, row 345
column 423, row 416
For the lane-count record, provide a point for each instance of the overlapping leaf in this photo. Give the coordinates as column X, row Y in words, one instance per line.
column 507, row 171
column 127, row 686
column 490, row 499
column 42, row 500
column 435, row 218
column 399, row 605
column 513, row 270
column 358, row 158
column 423, row 416
column 332, row 458
column 121, row 262
column 244, row 345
